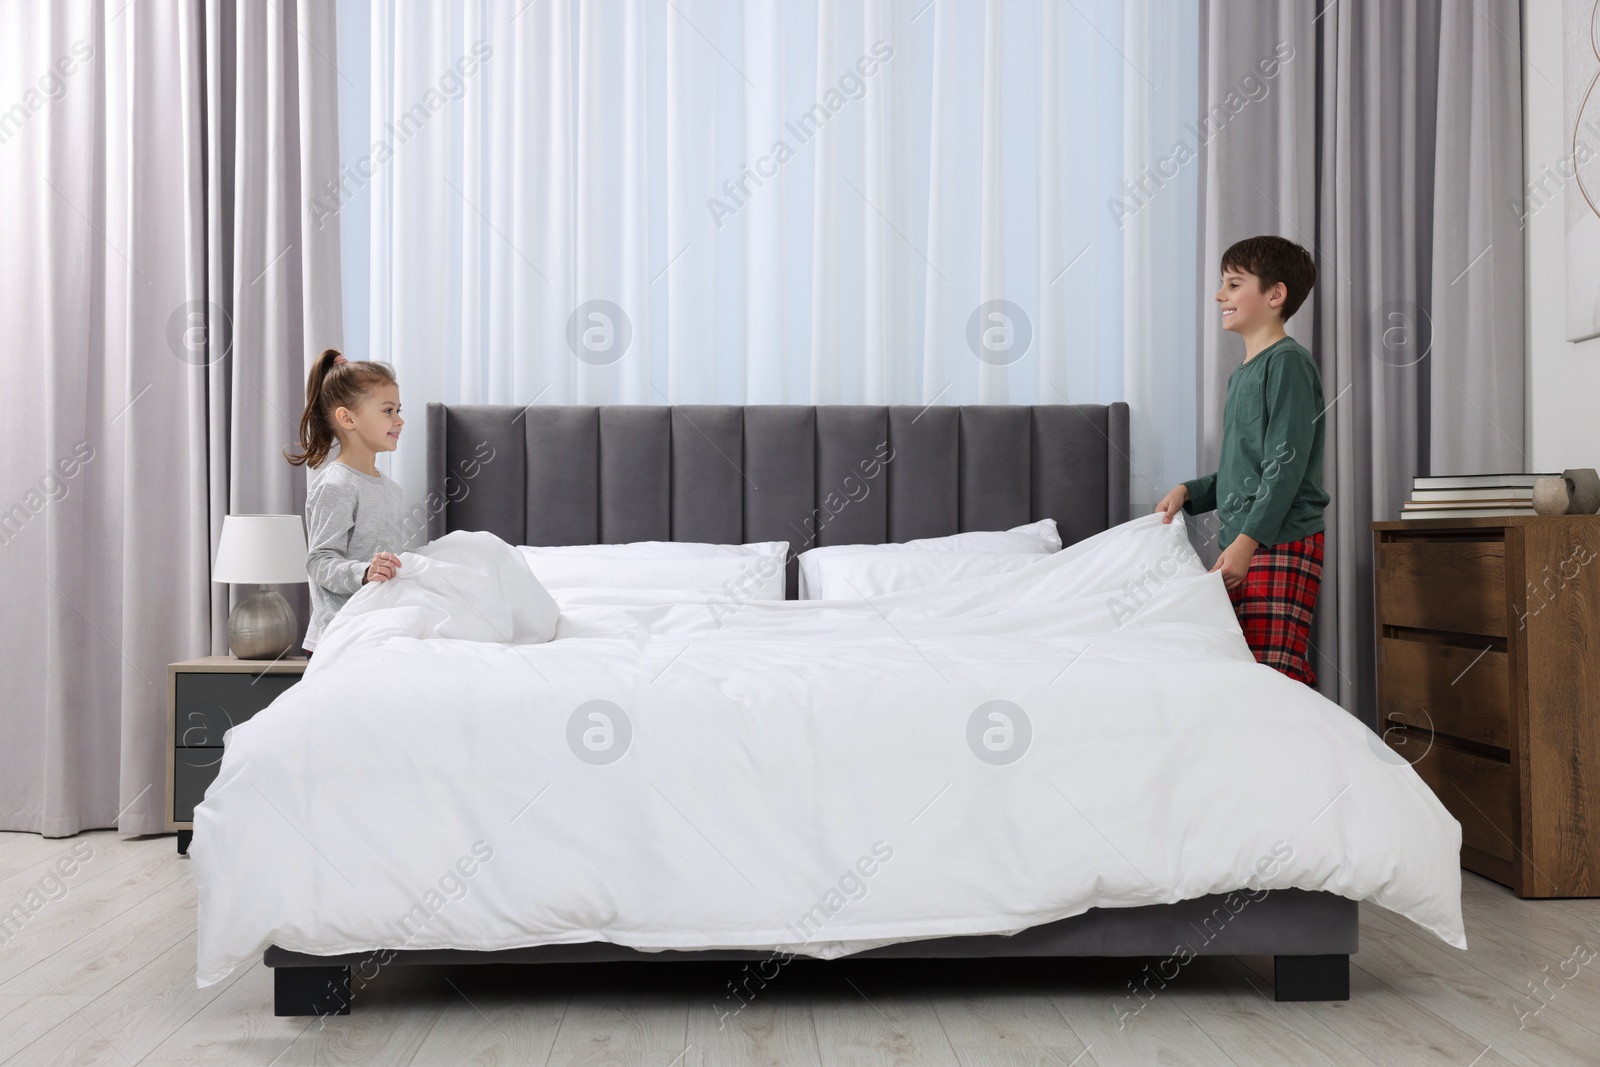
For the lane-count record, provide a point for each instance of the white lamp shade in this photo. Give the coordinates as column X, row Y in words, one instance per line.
column 261, row 550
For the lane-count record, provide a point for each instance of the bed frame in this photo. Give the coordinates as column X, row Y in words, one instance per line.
column 818, row 476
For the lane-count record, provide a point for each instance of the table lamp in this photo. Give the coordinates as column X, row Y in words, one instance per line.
column 261, row 550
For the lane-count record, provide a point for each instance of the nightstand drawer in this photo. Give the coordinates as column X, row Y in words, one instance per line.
column 1480, row 793
column 1447, row 689
column 1455, row 585
column 208, row 705
column 193, row 769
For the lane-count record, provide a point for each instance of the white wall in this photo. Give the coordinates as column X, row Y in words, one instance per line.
column 1563, row 378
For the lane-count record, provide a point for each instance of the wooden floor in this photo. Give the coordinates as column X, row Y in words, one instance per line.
column 104, row 974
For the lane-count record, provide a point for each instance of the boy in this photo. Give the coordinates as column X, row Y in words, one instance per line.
column 1267, row 490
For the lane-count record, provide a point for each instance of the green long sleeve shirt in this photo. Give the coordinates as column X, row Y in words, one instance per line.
column 1268, row 482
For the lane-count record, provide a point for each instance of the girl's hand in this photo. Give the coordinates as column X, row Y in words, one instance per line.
column 382, row 568
column 1173, row 503
column 1235, row 560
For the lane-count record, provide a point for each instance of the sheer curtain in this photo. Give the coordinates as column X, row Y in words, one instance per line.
column 873, row 201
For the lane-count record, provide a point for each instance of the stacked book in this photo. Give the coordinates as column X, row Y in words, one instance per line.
column 1469, row 496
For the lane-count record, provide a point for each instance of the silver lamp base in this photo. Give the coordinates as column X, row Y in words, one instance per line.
column 261, row 626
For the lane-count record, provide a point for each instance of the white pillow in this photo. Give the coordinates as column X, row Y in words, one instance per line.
column 851, row 576
column 1036, row 538
column 746, row 572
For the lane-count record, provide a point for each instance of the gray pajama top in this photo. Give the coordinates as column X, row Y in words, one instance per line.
column 349, row 516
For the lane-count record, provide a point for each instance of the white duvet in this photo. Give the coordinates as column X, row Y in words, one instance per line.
column 1089, row 731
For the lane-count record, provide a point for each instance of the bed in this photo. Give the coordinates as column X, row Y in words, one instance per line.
column 1178, row 799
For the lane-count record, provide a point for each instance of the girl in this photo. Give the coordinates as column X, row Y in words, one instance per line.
column 352, row 509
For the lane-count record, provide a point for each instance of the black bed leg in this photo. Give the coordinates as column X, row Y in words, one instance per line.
column 311, row 991
column 184, row 837
column 1311, row 977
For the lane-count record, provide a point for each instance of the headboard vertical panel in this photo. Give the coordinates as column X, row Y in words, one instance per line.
column 1119, row 492
column 1070, row 470
column 562, row 497
column 490, row 499
column 849, row 440
column 708, row 474
column 780, row 461
column 996, row 467
column 439, row 490
column 635, row 474
column 921, row 476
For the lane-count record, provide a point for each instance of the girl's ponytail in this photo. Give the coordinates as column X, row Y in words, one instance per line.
column 334, row 382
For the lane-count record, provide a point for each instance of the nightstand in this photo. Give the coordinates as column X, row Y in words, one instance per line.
column 1489, row 686
column 205, row 698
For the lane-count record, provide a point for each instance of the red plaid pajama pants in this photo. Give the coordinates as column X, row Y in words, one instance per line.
column 1274, row 603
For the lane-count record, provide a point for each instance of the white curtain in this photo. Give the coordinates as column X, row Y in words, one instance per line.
column 825, row 201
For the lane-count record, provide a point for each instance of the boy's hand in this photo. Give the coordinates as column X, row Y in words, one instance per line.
column 1173, row 502
column 382, row 568
column 1235, row 559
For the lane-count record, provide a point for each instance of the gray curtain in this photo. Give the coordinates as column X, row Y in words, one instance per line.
column 161, row 291
column 272, row 141
column 1389, row 145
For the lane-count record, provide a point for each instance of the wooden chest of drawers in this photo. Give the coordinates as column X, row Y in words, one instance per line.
column 1488, row 681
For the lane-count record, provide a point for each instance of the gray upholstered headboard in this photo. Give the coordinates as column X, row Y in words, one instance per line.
column 727, row 474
